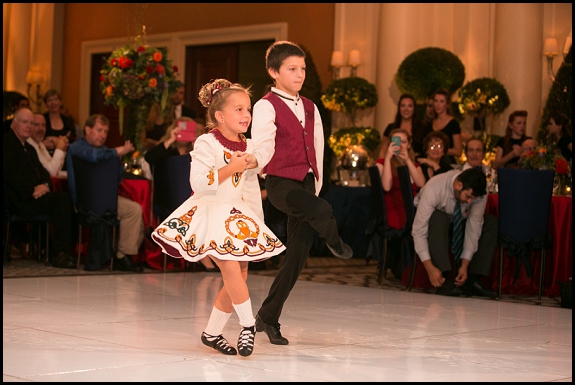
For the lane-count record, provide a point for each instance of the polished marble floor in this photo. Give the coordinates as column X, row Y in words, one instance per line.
column 146, row 327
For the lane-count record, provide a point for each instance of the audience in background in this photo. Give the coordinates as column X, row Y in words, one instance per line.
column 528, row 145
column 19, row 102
column 156, row 125
column 29, row 188
column 560, row 132
column 396, row 156
column 52, row 163
column 509, row 146
column 444, row 121
column 436, row 162
column 437, row 203
column 91, row 148
column 406, row 118
column 180, row 109
column 57, row 124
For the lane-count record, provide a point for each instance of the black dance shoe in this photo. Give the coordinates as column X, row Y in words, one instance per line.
column 273, row 332
column 219, row 343
column 126, row 264
column 475, row 289
column 64, row 260
column 246, row 341
column 345, row 252
column 449, row 289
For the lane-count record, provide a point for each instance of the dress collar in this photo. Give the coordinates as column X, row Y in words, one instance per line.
column 230, row 144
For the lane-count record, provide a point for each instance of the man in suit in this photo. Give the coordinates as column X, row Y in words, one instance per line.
column 475, row 152
column 179, row 108
column 29, row 187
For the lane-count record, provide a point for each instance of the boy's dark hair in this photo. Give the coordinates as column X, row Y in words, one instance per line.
column 473, row 179
column 281, row 50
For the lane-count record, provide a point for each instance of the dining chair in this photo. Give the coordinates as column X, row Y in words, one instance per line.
column 171, row 186
column 377, row 229
column 524, row 208
column 407, row 247
column 39, row 222
column 97, row 200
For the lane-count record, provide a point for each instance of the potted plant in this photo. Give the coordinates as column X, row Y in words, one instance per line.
column 481, row 97
column 424, row 71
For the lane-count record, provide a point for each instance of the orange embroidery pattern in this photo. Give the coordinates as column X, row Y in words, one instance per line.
column 210, row 178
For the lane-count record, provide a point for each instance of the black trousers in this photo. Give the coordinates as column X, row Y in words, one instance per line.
column 59, row 206
column 306, row 213
column 439, row 241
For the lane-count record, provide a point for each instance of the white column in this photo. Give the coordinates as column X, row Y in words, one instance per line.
column 17, row 49
column 517, row 61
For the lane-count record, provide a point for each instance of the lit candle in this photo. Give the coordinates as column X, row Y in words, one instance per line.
column 354, row 58
column 337, row 59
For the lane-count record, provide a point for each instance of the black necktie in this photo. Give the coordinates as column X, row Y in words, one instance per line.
column 457, row 238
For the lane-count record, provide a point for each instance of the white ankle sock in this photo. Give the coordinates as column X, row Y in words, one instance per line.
column 217, row 322
column 245, row 313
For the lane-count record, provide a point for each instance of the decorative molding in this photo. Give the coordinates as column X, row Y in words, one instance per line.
column 176, row 44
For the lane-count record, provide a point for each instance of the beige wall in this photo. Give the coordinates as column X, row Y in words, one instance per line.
column 311, row 25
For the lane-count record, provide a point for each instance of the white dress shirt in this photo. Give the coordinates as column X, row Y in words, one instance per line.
column 264, row 131
column 178, row 111
column 53, row 163
column 437, row 194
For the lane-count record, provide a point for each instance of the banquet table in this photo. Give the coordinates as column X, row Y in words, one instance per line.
column 558, row 266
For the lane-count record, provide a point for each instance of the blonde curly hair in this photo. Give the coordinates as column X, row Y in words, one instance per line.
column 213, row 96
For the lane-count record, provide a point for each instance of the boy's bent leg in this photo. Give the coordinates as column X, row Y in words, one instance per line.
column 299, row 200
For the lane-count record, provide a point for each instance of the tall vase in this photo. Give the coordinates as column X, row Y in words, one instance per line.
column 135, row 126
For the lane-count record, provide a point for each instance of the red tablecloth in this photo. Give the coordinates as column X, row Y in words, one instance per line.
column 558, row 266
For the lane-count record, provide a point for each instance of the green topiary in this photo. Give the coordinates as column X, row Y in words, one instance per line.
column 560, row 97
column 345, row 137
column 427, row 69
column 350, row 95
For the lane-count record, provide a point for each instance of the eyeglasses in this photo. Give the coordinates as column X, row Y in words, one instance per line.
column 436, row 146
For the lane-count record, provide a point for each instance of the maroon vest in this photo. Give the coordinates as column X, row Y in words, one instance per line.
column 294, row 144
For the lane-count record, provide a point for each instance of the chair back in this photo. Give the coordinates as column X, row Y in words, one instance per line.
column 97, row 185
column 377, row 198
column 171, row 184
column 407, row 195
column 524, row 203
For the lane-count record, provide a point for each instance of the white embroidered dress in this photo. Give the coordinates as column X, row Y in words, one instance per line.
column 224, row 220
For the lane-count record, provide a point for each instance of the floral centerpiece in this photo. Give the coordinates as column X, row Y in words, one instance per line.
column 545, row 158
column 134, row 78
column 481, row 97
column 347, row 137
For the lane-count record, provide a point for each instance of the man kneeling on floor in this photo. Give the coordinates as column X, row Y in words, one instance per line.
column 452, row 205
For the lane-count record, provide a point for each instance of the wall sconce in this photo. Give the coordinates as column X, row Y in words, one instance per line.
column 338, row 61
column 567, row 46
column 35, row 78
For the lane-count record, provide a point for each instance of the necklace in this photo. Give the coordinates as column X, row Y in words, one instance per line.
column 230, row 144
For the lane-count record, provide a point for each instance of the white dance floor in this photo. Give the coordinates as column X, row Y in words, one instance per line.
column 147, row 327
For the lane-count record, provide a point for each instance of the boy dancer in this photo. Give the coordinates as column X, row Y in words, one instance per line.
column 288, row 135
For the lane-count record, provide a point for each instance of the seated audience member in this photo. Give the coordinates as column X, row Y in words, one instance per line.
column 57, row 124
column 20, row 101
column 29, row 188
column 560, row 132
column 396, row 156
column 169, row 145
column 438, row 204
column 509, row 146
column 51, row 163
column 436, row 162
column 91, row 148
column 156, row 126
column 528, row 146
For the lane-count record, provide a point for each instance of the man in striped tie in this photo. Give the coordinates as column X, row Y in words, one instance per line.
column 451, row 207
